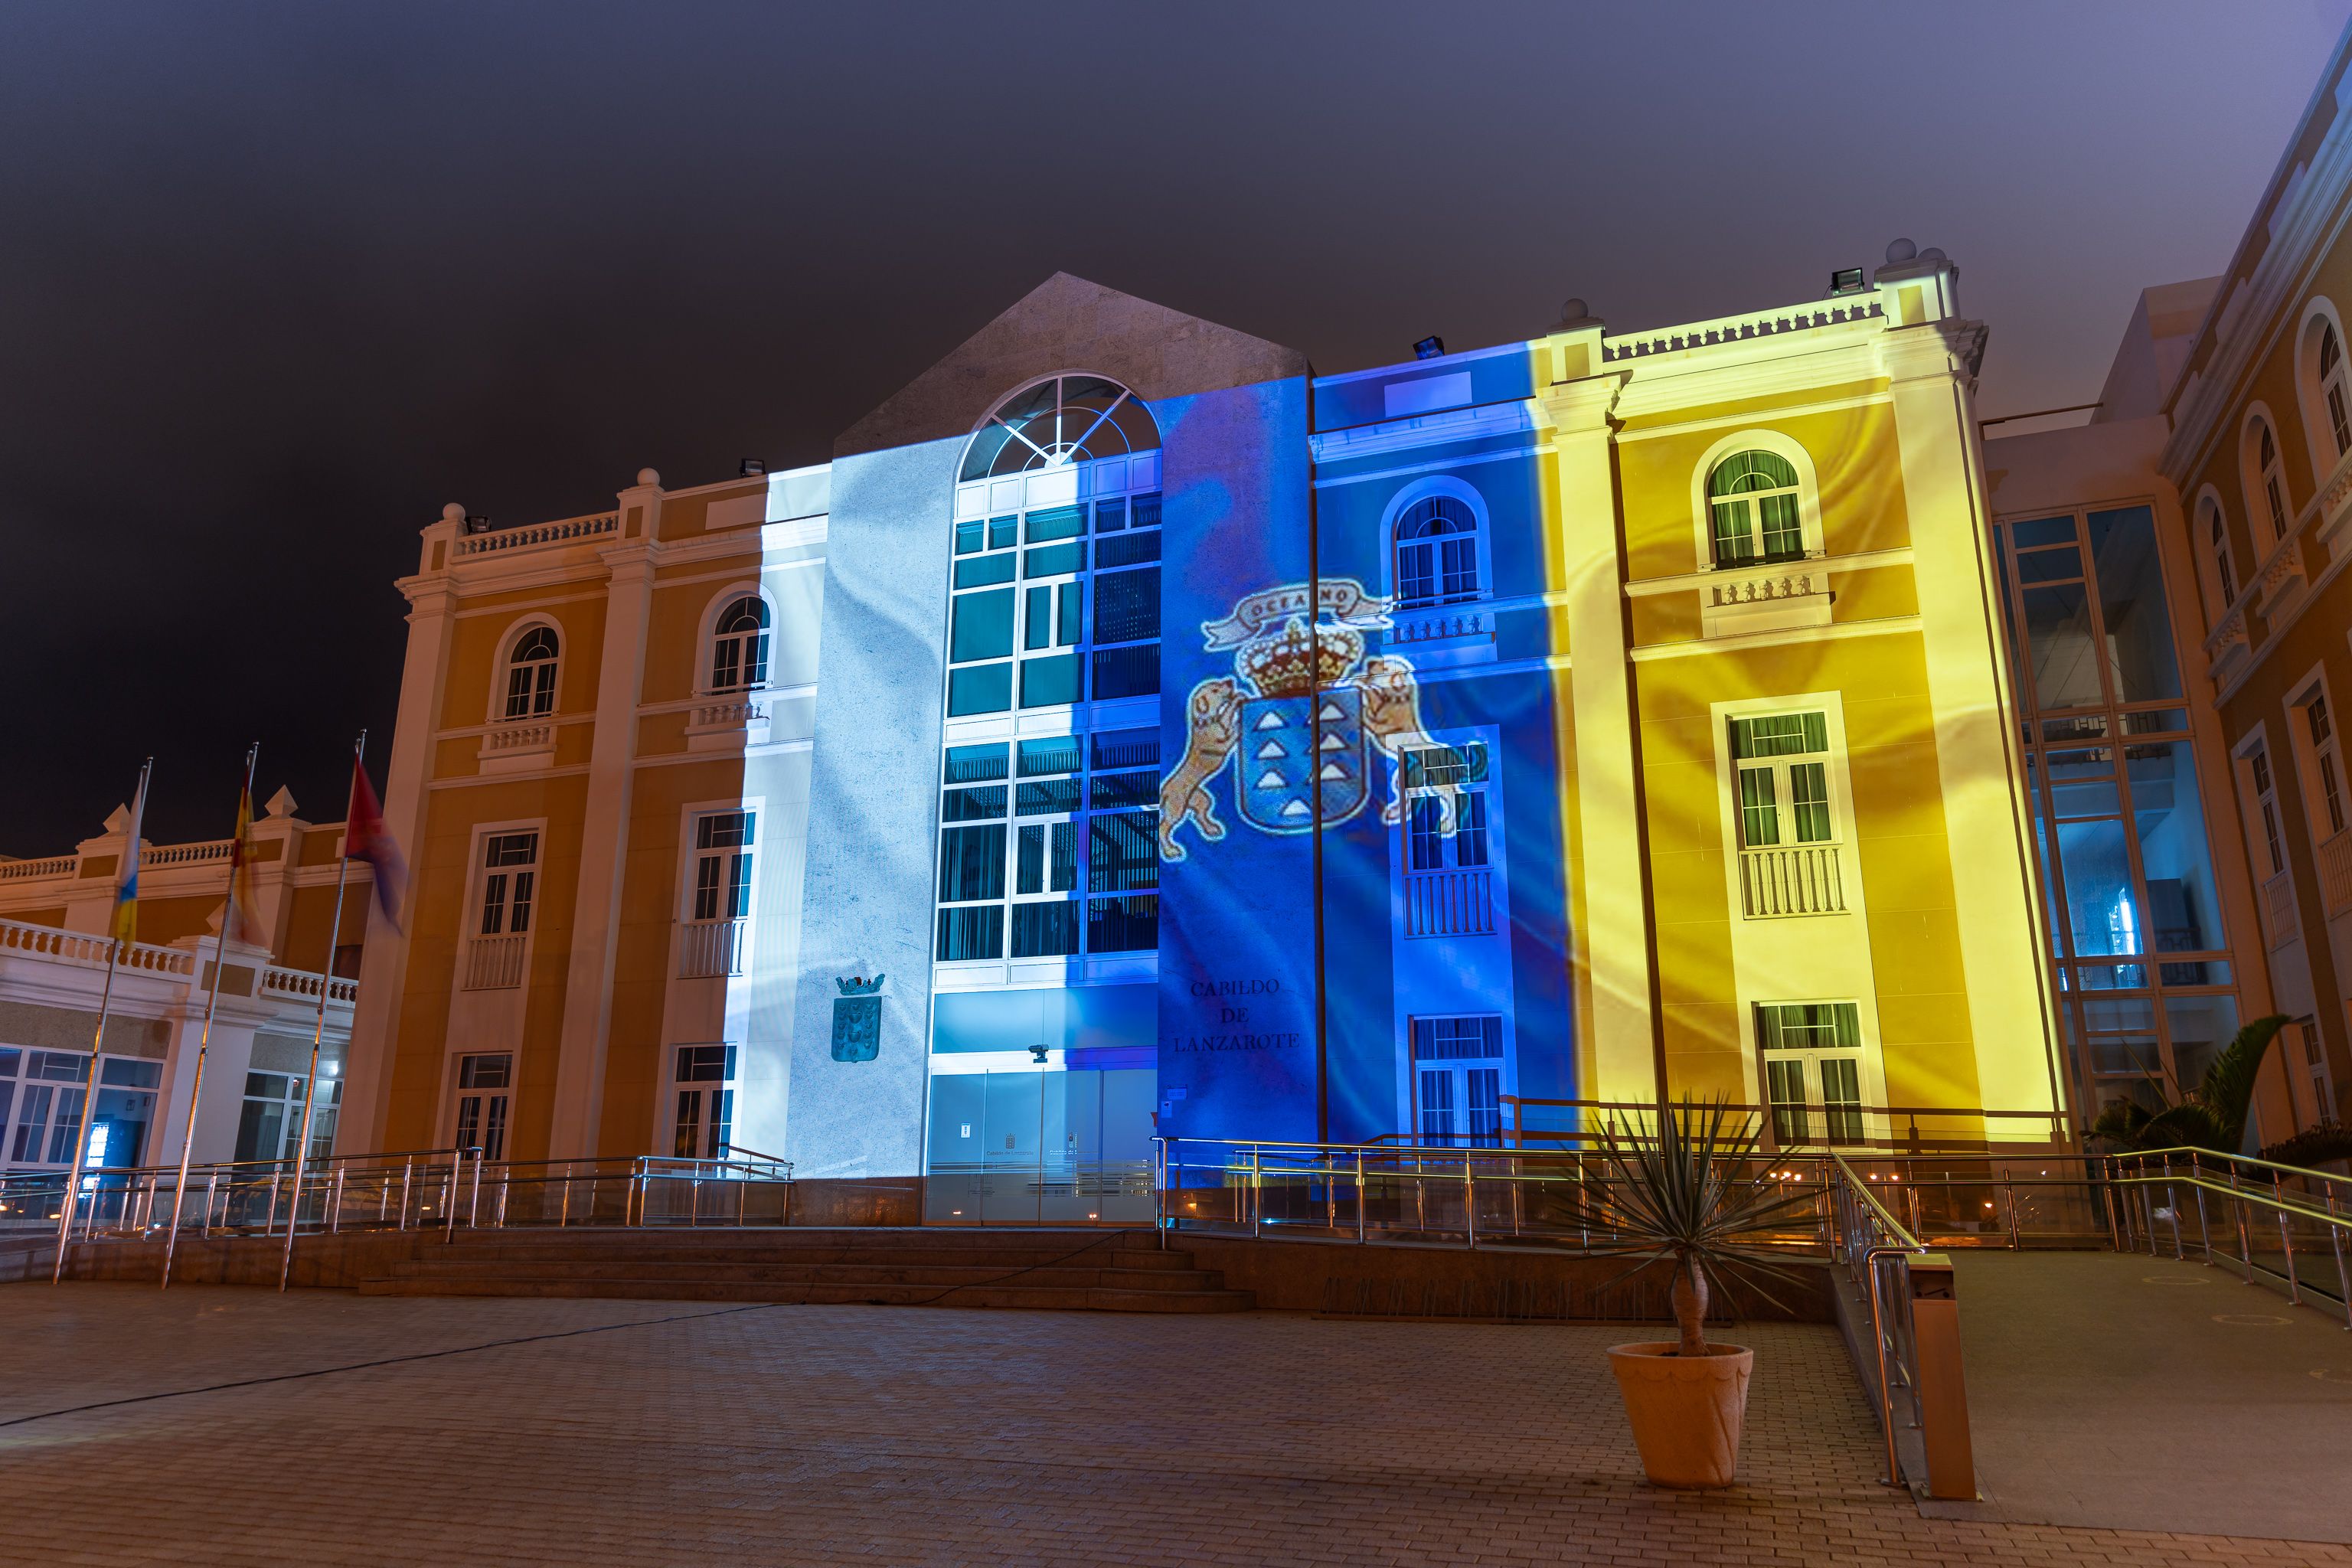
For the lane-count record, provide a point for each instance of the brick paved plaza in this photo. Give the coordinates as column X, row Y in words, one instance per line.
column 662, row 1432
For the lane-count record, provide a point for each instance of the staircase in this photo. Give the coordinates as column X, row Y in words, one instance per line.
column 1075, row 1270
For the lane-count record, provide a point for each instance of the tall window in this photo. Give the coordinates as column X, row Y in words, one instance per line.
column 1458, row 1080
column 2332, row 395
column 2326, row 763
column 1080, row 815
column 2258, row 761
column 2266, row 495
column 271, row 1117
column 723, row 864
column 1436, row 555
column 1754, row 510
column 1812, row 1067
column 2225, row 572
column 1019, row 609
column 1783, row 777
column 530, row 675
column 1439, row 779
column 2134, row 914
column 705, row 1102
column 509, row 862
column 739, row 646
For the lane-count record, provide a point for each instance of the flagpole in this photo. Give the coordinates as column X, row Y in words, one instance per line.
column 205, row 1040
column 319, row 1027
column 98, row 1043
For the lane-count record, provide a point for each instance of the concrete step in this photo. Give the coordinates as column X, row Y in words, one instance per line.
column 1048, row 1298
column 491, row 1246
column 797, row 1272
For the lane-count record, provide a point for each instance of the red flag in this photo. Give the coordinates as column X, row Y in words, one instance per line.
column 365, row 838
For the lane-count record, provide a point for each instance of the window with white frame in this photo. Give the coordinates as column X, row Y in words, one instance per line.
column 2266, row 474
column 723, row 864
column 2258, row 765
column 703, row 1079
column 1458, row 1088
column 1812, row 1053
column 739, row 646
column 1783, row 779
column 2225, row 571
column 530, row 675
column 271, row 1118
column 1443, row 781
column 1436, row 553
column 509, row 879
column 1755, row 511
column 2327, row 766
column 2329, row 373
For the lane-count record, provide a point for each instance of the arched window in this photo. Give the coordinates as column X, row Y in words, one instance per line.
column 2265, row 478
column 2222, row 578
column 1436, row 553
column 1753, row 510
column 1062, row 419
column 530, row 675
column 2333, row 398
column 739, row 646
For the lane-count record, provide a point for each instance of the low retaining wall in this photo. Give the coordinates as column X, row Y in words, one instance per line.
column 1388, row 1281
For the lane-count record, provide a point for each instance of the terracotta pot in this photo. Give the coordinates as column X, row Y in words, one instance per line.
column 1687, row 1411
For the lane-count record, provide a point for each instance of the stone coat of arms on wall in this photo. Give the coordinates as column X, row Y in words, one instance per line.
column 857, row 1019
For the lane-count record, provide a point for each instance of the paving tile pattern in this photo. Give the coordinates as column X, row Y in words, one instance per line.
column 678, row 1433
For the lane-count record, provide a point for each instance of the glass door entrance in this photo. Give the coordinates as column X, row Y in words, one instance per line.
column 483, row 1092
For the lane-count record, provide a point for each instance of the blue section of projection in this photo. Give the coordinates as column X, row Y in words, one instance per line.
column 1445, row 924
column 1236, row 923
column 1093, row 1026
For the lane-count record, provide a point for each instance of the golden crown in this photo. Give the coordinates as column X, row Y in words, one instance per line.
column 1297, row 662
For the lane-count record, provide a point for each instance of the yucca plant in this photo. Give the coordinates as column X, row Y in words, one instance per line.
column 2212, row 1115
column 1689, row 1191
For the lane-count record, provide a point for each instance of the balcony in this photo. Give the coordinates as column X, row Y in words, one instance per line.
column 517, row 746
column 1765, row 596
column 709, row 949
column 1784, row 879
column 2335, row 872
column 494, row 963
column 1449, row 903
column 728, row 723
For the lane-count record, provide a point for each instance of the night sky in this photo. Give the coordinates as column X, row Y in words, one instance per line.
column 275, row 282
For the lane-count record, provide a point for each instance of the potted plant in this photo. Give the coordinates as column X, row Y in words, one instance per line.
column 2211, row 1115
column 1692, row 1195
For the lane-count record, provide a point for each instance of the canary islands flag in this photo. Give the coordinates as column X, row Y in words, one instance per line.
column 125, row 924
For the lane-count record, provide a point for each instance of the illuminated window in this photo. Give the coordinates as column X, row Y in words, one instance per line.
column 1783, row 779
column 1458, row 1081
column 1813, row 1071
column 1436, row 555
column 1753, row 510
column 739, row 646
column 530, row 675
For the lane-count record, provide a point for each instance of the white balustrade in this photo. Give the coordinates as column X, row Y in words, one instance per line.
column 568, row 531
column 55, row 866
column 2279, row 924
column 1791, row 879
column 709, row 948
column 187, row 853
column 90, row 951
column 2335, row 872
column 494, row 963
column 519, row 738
column 304, row 985
column 1449, row 903
column 1755, row 324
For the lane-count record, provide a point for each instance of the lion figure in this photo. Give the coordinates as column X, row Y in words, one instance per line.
column 1212, row 727
column 1392, row 723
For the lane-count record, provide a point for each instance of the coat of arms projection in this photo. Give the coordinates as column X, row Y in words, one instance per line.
column 1299, row 719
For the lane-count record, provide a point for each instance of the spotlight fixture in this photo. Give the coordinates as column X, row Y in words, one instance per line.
column 753, row 468
column 1429, row 347
column 1845, row 280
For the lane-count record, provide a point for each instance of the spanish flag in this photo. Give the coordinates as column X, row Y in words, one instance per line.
column 241, row 924
column 124, row 926
column 365, row 838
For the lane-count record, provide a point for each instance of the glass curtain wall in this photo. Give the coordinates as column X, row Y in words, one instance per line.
column 2142, row 959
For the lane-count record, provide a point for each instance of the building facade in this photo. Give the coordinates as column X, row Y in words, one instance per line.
column 1131, row 732
column 54, row 960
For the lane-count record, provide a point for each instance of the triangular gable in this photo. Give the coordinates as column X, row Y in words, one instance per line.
column 1068, row 323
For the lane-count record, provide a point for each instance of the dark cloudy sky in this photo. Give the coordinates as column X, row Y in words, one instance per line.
column 277, row 281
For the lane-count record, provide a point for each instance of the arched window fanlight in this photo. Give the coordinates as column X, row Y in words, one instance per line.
column 1436, row 553
column 1752, row 506
column 739, row 646
column 530, row 675
column 1063, row 419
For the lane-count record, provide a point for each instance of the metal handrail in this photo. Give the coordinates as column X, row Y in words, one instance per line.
column 1859, row 1215
column 2130, row 1221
